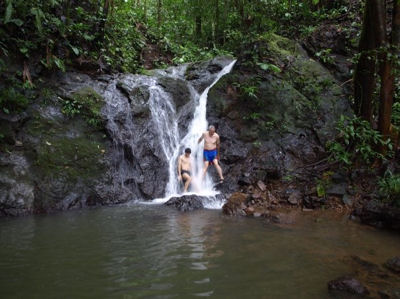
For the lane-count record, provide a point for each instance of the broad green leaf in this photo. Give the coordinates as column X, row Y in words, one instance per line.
column 39, row 15
column 263, row 66
column 75, row 49
column 274, row 68
column 59, row 63
column 23, row 50
column 9, row 11
column 17, row 22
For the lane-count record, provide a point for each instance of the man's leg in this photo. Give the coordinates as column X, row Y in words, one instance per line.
column 187, row 180
column 206, row 163
column 218, row 168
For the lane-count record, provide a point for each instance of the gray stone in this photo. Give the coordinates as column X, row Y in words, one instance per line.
column 262, row 186
column 348, row 284
column 337, row 189
column 186, row 203
column 295, row 197
column 393, row 264
column 348, row 200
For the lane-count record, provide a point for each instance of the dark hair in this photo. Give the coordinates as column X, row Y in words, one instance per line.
column 188, row 150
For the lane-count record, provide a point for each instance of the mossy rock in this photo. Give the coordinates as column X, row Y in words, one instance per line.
column 75, row 158
column 12, row 100
column 87, row 103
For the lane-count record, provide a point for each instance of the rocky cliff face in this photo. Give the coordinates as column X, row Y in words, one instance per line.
column 275, row 119
column 88, row 141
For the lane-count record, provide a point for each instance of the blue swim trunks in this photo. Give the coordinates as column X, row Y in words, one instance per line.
column 210, row 155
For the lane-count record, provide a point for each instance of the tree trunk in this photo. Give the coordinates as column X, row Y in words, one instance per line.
column 103, row 19
column 217, row 28
column 159, row 5
column 198, row 20
column 387, row 77
column 364, row 76
column 145, row 10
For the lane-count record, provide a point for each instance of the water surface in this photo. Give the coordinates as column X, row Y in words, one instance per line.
column 150, row 251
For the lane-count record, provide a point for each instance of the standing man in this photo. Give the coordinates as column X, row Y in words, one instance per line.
column 211, row 151
column 184, row 168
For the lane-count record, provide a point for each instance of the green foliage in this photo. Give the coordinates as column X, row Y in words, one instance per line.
column 87, row 103
column 356, row 141
column 60, row 33
column 12, row 100
column 389, row 187
column 323, row 183
column 325, row 56
column 75, row 158
column 396, row 114
column 248, row 89
column 269, row 66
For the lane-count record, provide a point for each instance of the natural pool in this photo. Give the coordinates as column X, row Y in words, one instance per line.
column 136, row 251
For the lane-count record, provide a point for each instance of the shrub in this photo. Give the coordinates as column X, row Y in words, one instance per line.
column 357, row 141
column 389, row 187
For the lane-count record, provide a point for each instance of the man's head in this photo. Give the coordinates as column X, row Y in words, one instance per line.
column 211, row 130
column 187, row 152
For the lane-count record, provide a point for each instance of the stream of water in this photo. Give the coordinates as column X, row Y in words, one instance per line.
column 164, row 116
column 142, row 251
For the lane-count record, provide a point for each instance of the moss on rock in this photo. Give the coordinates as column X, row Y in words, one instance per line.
column 76, row 158
column 86, row 102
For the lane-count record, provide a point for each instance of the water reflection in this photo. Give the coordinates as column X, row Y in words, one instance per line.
column 152, row 251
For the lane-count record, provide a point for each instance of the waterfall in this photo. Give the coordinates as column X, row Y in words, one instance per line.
column 197, row 126
column 145, row 119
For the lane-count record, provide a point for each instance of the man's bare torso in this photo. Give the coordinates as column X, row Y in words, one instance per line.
column 210, row 142
column 185, row 163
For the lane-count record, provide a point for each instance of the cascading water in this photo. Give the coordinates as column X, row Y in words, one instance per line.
column 145, row 115
column 197, row 126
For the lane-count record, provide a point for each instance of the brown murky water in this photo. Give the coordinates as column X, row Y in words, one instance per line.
column 140, row 251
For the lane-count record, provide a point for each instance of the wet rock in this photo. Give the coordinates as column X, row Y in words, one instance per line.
column 235, row 204
column 261, row 185
column 379, row 214
column 337, row 189
column 331, row 36
column 295, row 198
column 393, row 264
column 368, row 266
column 186, row 203
column 348, row 284
column 178, row 89
column 348, row 200
column 282, row 218
column 16, row 187
column 244, row 179
column 313, row 202
column 249, row 211
column 288, row 134
column 200, row 73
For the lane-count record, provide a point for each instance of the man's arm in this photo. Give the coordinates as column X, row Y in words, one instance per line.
column 201, row 138
column 218, row 143
column 179, row 168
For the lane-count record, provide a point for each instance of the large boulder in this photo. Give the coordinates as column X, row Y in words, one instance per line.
column 393, row 264
column 274, row 117
column 186, row 203
column 379, row 214
column 349, row 285
column 236, row 204
column 202, row 74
